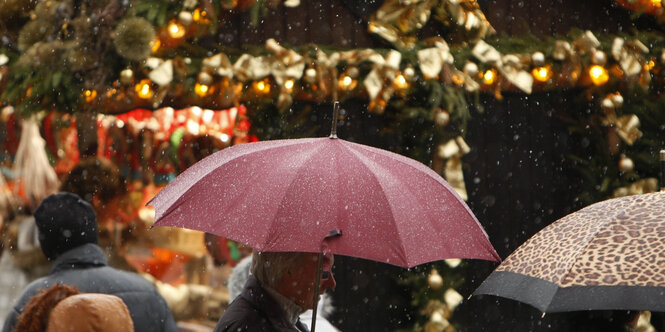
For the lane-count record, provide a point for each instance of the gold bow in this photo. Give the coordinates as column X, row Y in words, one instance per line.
column 639, row 187
column 287, row 65
column 431, row 60
column 466, row 14
column 397, row 19
column 379, row 82
column 510, row 66
column 452, row 152
column 629, row 55
column 219, row 64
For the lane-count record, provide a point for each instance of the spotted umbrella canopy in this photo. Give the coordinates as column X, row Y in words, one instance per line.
column 607, row 256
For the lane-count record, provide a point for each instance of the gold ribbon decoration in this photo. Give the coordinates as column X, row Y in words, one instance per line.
column 452, row 151
column 466, row 15
column 379, row 82
column 396, row 21
column 586, row 43
column 627, row 128
column 287, row 65
column 510, row 66
column 248, row 67
column 431, row 60
column 639, row 187
column 219, row 64
column 629, row 55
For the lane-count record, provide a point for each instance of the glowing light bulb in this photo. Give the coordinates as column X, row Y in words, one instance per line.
column 657, row 3
column 288, row 85
column 201, row 89
column 143, row 89
column 262, row 87
column 401, row 82
column 90, row 95
column 176, row 30
column 598, row 75
column 489, row 76
column 542, row 74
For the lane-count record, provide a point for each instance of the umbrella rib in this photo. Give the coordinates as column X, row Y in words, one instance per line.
column 415, row 164
column 348, row 149
column 272, row 225
column 591, row 237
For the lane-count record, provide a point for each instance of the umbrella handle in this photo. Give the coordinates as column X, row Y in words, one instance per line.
column 317, row 285
column 333, row 130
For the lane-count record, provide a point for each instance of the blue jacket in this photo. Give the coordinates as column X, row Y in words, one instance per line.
column 86, row 268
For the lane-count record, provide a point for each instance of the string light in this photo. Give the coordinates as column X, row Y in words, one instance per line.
column 288, row 85
column 657, row 3
column 176, row 30
column 346, row 82
column 90, row 95
column 155, row 45
column 201, row 89
column 489, row 76
column 143, row 89
column 401, row 82
column 598, row 75
column 262, row 87
column 542, row 74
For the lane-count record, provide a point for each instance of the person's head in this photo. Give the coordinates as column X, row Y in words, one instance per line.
column 293, row 274
column 90, row 312
column 64, row 221
column 35, row 316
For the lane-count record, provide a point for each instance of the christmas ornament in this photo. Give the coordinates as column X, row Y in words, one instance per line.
column 133, row 37
column 599, row 58
column 185, row 18
column 205, row 78
column 126, row 76
column 626, row 164
column 434, row 280
column 471, row 68
column 442, row 117
column 538, row 59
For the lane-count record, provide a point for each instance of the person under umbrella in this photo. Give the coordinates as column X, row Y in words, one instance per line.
column 280, row 287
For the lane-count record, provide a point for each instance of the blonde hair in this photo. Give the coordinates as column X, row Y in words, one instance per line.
column 270, row 267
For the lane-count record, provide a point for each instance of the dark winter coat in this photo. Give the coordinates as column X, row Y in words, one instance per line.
column 255, row 310
column 86, row 268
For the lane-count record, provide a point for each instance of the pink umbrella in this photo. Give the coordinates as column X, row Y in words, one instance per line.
column 317, row 194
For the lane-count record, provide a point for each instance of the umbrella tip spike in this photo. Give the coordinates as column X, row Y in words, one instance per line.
column 335, row 118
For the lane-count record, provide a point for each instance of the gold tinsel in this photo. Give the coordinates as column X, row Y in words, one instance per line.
column 133, row 37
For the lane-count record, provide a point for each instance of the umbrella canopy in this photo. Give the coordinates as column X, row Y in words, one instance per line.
column 607, row 256
column 290, row 195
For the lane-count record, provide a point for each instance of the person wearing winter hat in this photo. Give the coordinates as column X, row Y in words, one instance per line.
column 67, row 228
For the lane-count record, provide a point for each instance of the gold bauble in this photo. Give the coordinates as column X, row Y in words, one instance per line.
column 126, row 76
column 310, row 75
column 205, row 78
column 434, row 280
column 538, row 59
column 626, row 164
column 442, row 117
column 471, row 69
column 185, row 18
column 599, row 58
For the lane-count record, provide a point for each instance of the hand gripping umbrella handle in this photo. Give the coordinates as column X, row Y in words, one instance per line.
column 319, row 267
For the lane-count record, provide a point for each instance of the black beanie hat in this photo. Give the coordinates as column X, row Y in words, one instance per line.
column 65, row 221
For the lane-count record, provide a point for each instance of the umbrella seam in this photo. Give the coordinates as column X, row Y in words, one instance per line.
column 349, row 150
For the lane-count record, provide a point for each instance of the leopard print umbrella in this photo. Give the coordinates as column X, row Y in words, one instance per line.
column 609, row 255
